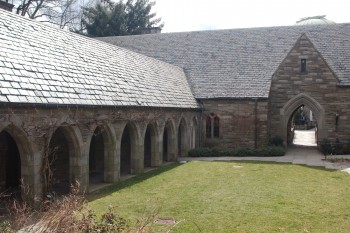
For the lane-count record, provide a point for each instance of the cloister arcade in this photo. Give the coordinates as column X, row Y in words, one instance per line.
column 52, row 158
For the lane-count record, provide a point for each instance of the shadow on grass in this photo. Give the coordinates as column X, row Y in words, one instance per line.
column 130, row 182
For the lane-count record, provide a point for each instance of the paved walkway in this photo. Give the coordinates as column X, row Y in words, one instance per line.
column 309, row 156
column 304, row 137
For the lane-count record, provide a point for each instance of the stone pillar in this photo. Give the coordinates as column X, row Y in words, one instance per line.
column 111, row 163
column 137, row 150
column 157, row 150
column 3, row 152
column 114, row 166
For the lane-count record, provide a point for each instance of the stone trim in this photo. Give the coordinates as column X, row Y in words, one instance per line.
column 293, row 104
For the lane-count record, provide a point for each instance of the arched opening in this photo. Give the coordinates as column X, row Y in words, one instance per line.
column 126, row 150
column 169, row 139
column 302, row 127
column 303, row 113
column 166, row 145
column 181, row 138
column 97, row 156
column 147, row 161
column 194, row 134
column 10, row 165
column 58, row 166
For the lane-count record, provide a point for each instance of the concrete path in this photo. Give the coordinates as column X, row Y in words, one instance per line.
column 309, row 156
column 304, row 137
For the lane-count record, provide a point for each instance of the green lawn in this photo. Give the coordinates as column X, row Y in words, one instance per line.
column 236, row 197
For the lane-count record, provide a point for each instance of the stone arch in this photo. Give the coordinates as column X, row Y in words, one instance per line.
column 169, row 139
column 15, row 152
column 128, row 149
column 182, row 138
column 293, row 104
column 102, row 155
column 194, row 133
column 151, row 141
column 64, row 148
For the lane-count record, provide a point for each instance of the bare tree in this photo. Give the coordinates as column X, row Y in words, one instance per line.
column 64, row 13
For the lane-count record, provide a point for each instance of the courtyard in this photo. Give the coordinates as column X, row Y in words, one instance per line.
column 234, row 196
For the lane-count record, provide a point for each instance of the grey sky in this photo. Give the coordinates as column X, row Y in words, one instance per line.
column 192, row 15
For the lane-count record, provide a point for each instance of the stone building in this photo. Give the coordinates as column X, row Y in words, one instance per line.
column 253, row 80
column 91, row 110
column 97, row 111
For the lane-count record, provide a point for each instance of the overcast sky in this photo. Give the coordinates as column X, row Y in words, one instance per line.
column 194, row 15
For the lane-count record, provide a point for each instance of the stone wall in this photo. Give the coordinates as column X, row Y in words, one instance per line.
column 32, row 128
column 316, row 89
column 243, row 123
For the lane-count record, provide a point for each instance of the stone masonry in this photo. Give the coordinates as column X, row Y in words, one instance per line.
column 317, row 89
column 243, row 123
column 32, row 129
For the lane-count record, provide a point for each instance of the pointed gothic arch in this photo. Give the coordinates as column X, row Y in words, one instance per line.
column 64, row 155
column 182, row 138
column 150, row 145
column 293, row 104
column 15, row 154
column 101, row 155
column 169, row 147
column 128, row 149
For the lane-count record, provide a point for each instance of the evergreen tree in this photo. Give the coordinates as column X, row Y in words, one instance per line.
column 116, row 19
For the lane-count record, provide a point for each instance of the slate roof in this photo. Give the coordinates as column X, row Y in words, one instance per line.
column 40, row 64
column 239, row 63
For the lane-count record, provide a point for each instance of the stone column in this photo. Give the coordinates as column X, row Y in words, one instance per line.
column 111, row 162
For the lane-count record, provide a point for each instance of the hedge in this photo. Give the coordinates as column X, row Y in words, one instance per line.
column 239, row 152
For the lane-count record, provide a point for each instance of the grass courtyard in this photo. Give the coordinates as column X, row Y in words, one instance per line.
column 235, row 197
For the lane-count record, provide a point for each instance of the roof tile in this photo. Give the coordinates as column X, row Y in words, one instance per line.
column 48, row 65
column 239, row 63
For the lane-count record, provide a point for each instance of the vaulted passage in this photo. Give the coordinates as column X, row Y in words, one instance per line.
column 97, row 157
column 169, row 142
column 303, row 113
column 57, row 166
column 194, row 134
column 302, row 127
column 10, row 164
column 181, row 138
column 148, row 148
column 125, row 152
column 165, row 145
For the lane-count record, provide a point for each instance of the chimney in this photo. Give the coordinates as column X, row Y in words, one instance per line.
column 6, row 6
column 152, row 30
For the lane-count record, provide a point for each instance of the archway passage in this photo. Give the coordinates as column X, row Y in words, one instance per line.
column 194, row 134
column 125, row 152
column 181, row 138
column 148, row 148
column 302, row 128
column 10, row 165
column 291, row 108
column 165, row 145
column 57, row 177
column 97, row 157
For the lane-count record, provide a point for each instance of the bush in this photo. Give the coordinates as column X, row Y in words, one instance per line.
column 328, row 147
column 68, row 214
column 276, row 141
column 239, row 152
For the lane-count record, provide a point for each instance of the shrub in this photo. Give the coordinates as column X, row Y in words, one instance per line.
column 239, row 152
column 276, row 141
column 68, row 214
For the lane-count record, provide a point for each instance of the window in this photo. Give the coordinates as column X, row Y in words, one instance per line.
column 303, row 66
column 212, row 126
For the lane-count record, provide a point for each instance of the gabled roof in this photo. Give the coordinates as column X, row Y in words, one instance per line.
column 239, row 63
column 40, row 64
